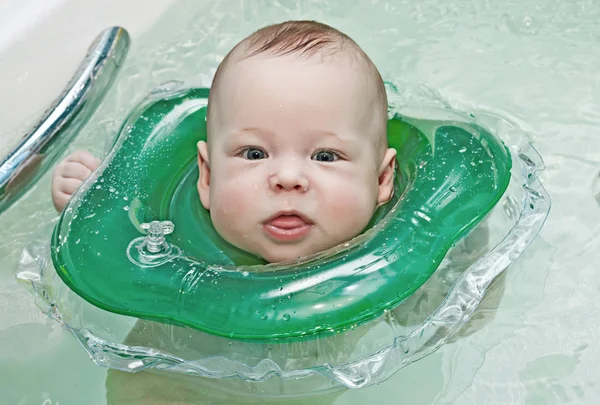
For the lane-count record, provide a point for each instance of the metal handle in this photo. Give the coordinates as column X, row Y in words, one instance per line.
column 40, row 148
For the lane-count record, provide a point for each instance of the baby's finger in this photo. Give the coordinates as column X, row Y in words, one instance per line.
column 68, row 186
column 85, row 158
column 73, row 170
column 60, row 199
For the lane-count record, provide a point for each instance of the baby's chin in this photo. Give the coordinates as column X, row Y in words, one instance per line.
column 282, row 258
column 288, row 252
column 279, row 257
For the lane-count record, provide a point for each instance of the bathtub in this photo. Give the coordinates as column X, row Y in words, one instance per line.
column 534, row 62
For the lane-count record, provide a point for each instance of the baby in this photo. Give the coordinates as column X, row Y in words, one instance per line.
column 296, row 159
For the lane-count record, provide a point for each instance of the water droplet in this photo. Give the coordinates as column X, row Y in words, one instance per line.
column 264, row 317
column 98, row 187
column 462, row 150
column 126, row 208
column 286, row 317
column 112, row 189
column 453, row 189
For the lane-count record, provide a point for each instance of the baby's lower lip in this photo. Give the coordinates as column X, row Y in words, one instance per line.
column 287, row 228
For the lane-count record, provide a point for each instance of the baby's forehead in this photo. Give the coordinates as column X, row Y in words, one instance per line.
column 315, row 72
column 299, row 87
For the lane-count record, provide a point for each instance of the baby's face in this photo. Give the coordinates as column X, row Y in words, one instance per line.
column 294, row 164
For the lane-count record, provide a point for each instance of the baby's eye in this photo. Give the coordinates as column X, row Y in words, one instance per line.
column 325, row 156
column 254, row 154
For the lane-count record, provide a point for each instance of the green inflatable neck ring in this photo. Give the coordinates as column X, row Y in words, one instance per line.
column 450, row 174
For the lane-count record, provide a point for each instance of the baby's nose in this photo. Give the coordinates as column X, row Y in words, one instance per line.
column 289, row 178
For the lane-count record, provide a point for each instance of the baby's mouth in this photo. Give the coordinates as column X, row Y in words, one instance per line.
column 287, row 227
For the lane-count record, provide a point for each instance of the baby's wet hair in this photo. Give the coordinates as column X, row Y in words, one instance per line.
column 302, row 38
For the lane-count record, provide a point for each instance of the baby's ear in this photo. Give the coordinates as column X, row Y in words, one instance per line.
column 204, row 175
column 386, row 177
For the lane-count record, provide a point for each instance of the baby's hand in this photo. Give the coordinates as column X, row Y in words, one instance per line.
column 69, row 174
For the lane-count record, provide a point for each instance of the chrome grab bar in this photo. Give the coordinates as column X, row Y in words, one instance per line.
column 49, row 138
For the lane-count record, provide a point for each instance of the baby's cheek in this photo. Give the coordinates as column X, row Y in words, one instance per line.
column 350, row 208
column 231, row 202
column 228, row 208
